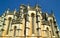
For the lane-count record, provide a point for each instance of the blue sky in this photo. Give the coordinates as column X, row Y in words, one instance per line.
column 46, row 5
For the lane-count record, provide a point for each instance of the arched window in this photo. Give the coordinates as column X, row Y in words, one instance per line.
column 15, row 30
column 50, row 20
column 32, row 16
column 26, row 30
column 9, row 19
column 25, row 25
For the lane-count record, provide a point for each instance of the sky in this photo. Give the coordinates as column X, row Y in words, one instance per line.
column 46, row 6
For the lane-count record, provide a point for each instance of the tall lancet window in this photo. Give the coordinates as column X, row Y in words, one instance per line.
column 26, row 30
column 25, row 25
column 47, row 32
column 52, row 27
column 15, row 30
column 32, row 15
column 38, row 29
column 9, row 19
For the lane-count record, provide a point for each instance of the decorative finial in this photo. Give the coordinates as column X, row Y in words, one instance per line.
column 37, row 5
column 36, row 2
column 14, row 11
column 5, row 13
column 8, row 10
column 52, row 12
column 28, row 2
column 28, row 5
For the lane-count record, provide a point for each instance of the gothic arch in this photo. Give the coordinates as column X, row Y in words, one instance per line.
column 9, row 18
column 47, row 28
column 32, row 14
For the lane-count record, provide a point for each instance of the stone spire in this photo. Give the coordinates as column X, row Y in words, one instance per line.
column 38, row 8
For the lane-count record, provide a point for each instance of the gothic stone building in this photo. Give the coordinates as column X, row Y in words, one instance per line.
column 28, row 22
